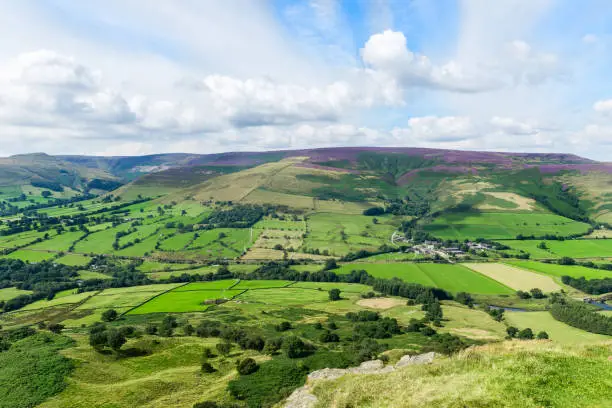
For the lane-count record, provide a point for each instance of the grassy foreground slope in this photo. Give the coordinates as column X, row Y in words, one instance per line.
column 509, row 374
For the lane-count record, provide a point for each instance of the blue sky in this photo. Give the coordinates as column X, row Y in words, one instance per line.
column 146, row 76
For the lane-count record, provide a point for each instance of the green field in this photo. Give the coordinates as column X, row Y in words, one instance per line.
column 582, row 248
column 176, row 242
column 153, row 266
column 73, row 260
column 531, row 247
column 30, row 256
column 184, row 301
column 454, row 278
column 340, row 234
column 100, row 242
column 326, row 286
column 10, row 293
column 559, row 332
column 502, row 225
column 560, row 270
column 285, row 296
column 59, row 242
column 62, row 300
column 214, row 285
column 22, row 239
column 261, row 284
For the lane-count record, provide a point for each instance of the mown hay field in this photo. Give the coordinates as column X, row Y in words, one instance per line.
column 575, row 271
column 515, row 278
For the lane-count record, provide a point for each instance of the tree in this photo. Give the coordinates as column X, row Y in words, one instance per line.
column 109, row 315
column 433, row 311
column 188, row 330
column 207, row 353
column 294, row 347
column 523, row 295
column 329, row 337
column 247, row 366
column 331, row 325
column 334, row 294
column 207, row 367
column 283, row 326
column 150, row 328
column 224, row 348
column 465, row 298
column 525, row 334
column 330, row 264
column 46, row 194
column 56, row 328
column 115, row 339
column 542, row 335
column 537, row 293
column 542, row 245
column 512, row 331
column 97, row 340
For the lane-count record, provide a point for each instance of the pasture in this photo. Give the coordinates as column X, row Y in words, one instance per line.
column 454, row 278
column 176, row 242
column 261, row 284
column 212, row 285
column 62, row 300
column 327, row 286
column 73, row 260
column 284, row 296
column 515, row 278
column 184, row 301
column 10, row 293
column 30, row 256
column 472, row 225
column 530, row 247
column 557, row 331
column 574, row 271
column 61, row 242
column 582, row 248
column 339, row 234
column 100, row 242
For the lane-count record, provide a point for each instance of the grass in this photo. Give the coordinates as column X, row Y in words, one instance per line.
column 30, row 256
column 10, row 293
column 515, row 278
column 100, row 242
column 73, row 260
column 168, row 376
column 154, row 266
column 340, row 234
column 326, row 286
column 119, row 300
column 62, row 300
column 176, row 242
column 502, row 225
column 93, row 275
column 558, row 331
column 61, row 242
column 285, row 296
column 582, row 248
column 213, row 285
column 509, row 374
column 260, row 284
column 32, row 370
column 184, row 301
column 454, row 278
column 560, row 270
column 531, row 247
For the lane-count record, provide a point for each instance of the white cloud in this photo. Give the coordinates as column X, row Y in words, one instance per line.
column 590, row 39
column 387, row 52
column 603, row 106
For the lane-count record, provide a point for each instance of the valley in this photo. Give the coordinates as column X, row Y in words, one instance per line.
column 148, row 281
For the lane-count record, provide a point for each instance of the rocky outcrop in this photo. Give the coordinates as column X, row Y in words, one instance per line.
column 303, row 398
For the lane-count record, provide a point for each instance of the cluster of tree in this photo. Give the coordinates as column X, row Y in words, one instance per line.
column 535, row 293
column 497, row 313
column 106, row 185
column 237, row 216
column 580, row 315
column 525, row 334
column 49, row 185
column 591, row 286
column 101, row 337
column 372, row 326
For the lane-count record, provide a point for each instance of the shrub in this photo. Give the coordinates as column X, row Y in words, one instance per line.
column 525, row 334
column 109, row 315
column 283, row 326
column 207, row 367
column 224, row 348
column 247, row 366
column 329, row 337
column 512, row 331
column 542, row 335
column 294, row 347
column 334, row 294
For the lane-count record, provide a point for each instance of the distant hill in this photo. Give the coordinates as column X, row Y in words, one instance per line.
column 435, row 180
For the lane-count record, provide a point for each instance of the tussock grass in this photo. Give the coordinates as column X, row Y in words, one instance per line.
column 509, row 374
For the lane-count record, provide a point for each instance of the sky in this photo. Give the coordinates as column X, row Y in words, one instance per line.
column 134, row 77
